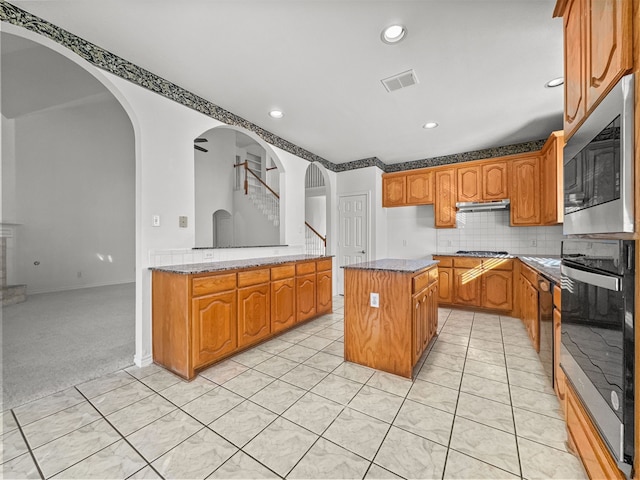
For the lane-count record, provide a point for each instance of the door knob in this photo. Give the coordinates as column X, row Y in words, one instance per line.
column 362, row 251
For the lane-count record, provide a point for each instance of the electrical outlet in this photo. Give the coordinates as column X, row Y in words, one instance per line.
column 375, row 300
column 155, row 221
column 404, row 243
column 533, row 243
column 182, row 221
column 208, row 255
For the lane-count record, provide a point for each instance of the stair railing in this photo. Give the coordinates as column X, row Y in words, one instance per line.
column 315, row 242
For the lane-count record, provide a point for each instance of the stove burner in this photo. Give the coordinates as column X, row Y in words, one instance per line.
column 480, row 252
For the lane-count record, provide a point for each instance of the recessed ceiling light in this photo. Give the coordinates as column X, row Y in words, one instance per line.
column 429, row 125
column 276, row 114
column 556, row 82
column 393, row 33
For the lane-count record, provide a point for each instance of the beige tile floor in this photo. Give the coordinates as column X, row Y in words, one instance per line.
column 480, row 407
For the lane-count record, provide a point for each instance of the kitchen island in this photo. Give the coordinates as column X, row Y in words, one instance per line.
column 391, row 313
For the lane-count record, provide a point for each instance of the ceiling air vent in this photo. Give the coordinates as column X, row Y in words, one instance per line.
column 401, row 80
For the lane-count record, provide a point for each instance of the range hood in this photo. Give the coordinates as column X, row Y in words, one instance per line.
column 482, row 206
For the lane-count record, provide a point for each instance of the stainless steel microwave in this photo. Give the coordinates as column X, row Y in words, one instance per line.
column 598, row 168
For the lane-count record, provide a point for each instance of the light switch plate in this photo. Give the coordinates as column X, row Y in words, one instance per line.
column 375, row 300
column 155, row 221
column 182, row 221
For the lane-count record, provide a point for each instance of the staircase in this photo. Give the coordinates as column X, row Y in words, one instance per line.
column 265, row 201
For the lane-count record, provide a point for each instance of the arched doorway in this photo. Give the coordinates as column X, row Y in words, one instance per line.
column 238, row 173
column 316, row 210
column 68, row 173
column 222, row 229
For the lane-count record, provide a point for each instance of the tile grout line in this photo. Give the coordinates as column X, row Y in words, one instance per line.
column 29, row 449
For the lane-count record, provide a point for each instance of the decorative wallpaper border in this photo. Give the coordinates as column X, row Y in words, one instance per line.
column 105, row 60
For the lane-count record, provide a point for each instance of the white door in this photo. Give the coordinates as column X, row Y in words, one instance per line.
column 353, row 246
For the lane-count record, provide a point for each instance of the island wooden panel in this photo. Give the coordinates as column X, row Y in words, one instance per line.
column 200, row 319
column 390, row 337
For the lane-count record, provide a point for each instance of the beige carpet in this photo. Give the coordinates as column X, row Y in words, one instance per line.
column 56, row 340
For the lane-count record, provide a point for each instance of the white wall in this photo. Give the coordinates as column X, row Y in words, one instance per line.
column 214, row 181
column 315, row 212
column 8, row 194
column 411, row 232
column 74, row 191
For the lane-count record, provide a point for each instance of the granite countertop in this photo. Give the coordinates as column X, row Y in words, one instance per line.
column 239, row 246
column 546, row 265
column 235, row 264
column 394, row 265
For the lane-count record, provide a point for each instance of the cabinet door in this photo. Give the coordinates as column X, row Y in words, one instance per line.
column 283, row 304
column 417, row 325
column 531, row 318
column 469, row 184
column 525, row 196
column 574, row 65
column 445, row 285
column 608, row 46
column 495, row 181
column 551, row 174
column 419, row 188
column 306, row 296
column 445, row 200
column 431, row 315
column 214, row 327
column 254, row 319
column 467, row 283
column 497, row 290
column 557, row 343
column 394, row 191
column 324, row 291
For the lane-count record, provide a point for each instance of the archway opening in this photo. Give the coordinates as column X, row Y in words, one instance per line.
column 237, row 173
column 316, row 210
column 68, row 202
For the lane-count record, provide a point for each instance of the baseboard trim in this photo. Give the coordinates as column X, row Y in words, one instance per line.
column 143, row 361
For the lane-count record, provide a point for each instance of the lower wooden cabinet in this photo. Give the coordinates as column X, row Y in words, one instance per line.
column 425, row 319
column 283, row 304
column 467, row 284
column 214, row 327
column 529, row 310
column 254, row 314
column 559, row 384
column 497, row 290
column 324, row 297
column 199, row 319
column 445, row 285
column 586, row 440
column 306, row 292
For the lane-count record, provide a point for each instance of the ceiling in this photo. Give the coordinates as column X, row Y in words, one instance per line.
column 481, row 66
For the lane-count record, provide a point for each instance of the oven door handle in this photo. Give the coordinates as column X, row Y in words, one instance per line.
column 603, row 281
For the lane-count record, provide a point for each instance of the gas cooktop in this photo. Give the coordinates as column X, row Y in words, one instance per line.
column 481, row 253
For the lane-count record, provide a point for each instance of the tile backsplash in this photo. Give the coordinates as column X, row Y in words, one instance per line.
column 491, row 231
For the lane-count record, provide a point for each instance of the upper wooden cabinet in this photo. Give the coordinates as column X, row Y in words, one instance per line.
column 597, row 53
column 394, row 190
column 419, row 188
column 525, row 200
column 445, row 207
column 552, row 183
column 495, row 181
column 470, row 184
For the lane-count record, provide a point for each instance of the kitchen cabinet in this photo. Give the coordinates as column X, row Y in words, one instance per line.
column 470, row 184
column 528, row 298
column 420, row 188
column 201, row 318
column 324, row 297
column 475, row 282
column 552, row 179
column 445, row 204
column 585, row 439
column 254, row 314
column 495, row 181
column 597, row 53
column 394, row 190
column 525, row 197
column 213, row 327
column 486, row 182
column 392, row 336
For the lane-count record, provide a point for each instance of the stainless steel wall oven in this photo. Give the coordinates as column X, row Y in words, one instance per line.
column 598, row 289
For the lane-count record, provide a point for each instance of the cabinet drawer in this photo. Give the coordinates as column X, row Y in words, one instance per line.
column 497, row 264
column 324, row 265
column 213, row 284
column 285, row 271
column 420, row 281
column 304, row 268
column 466, row 262
column 433, row 275
column 529, row 274
column 557, row 297
column 444, row 261
column 253, row 277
